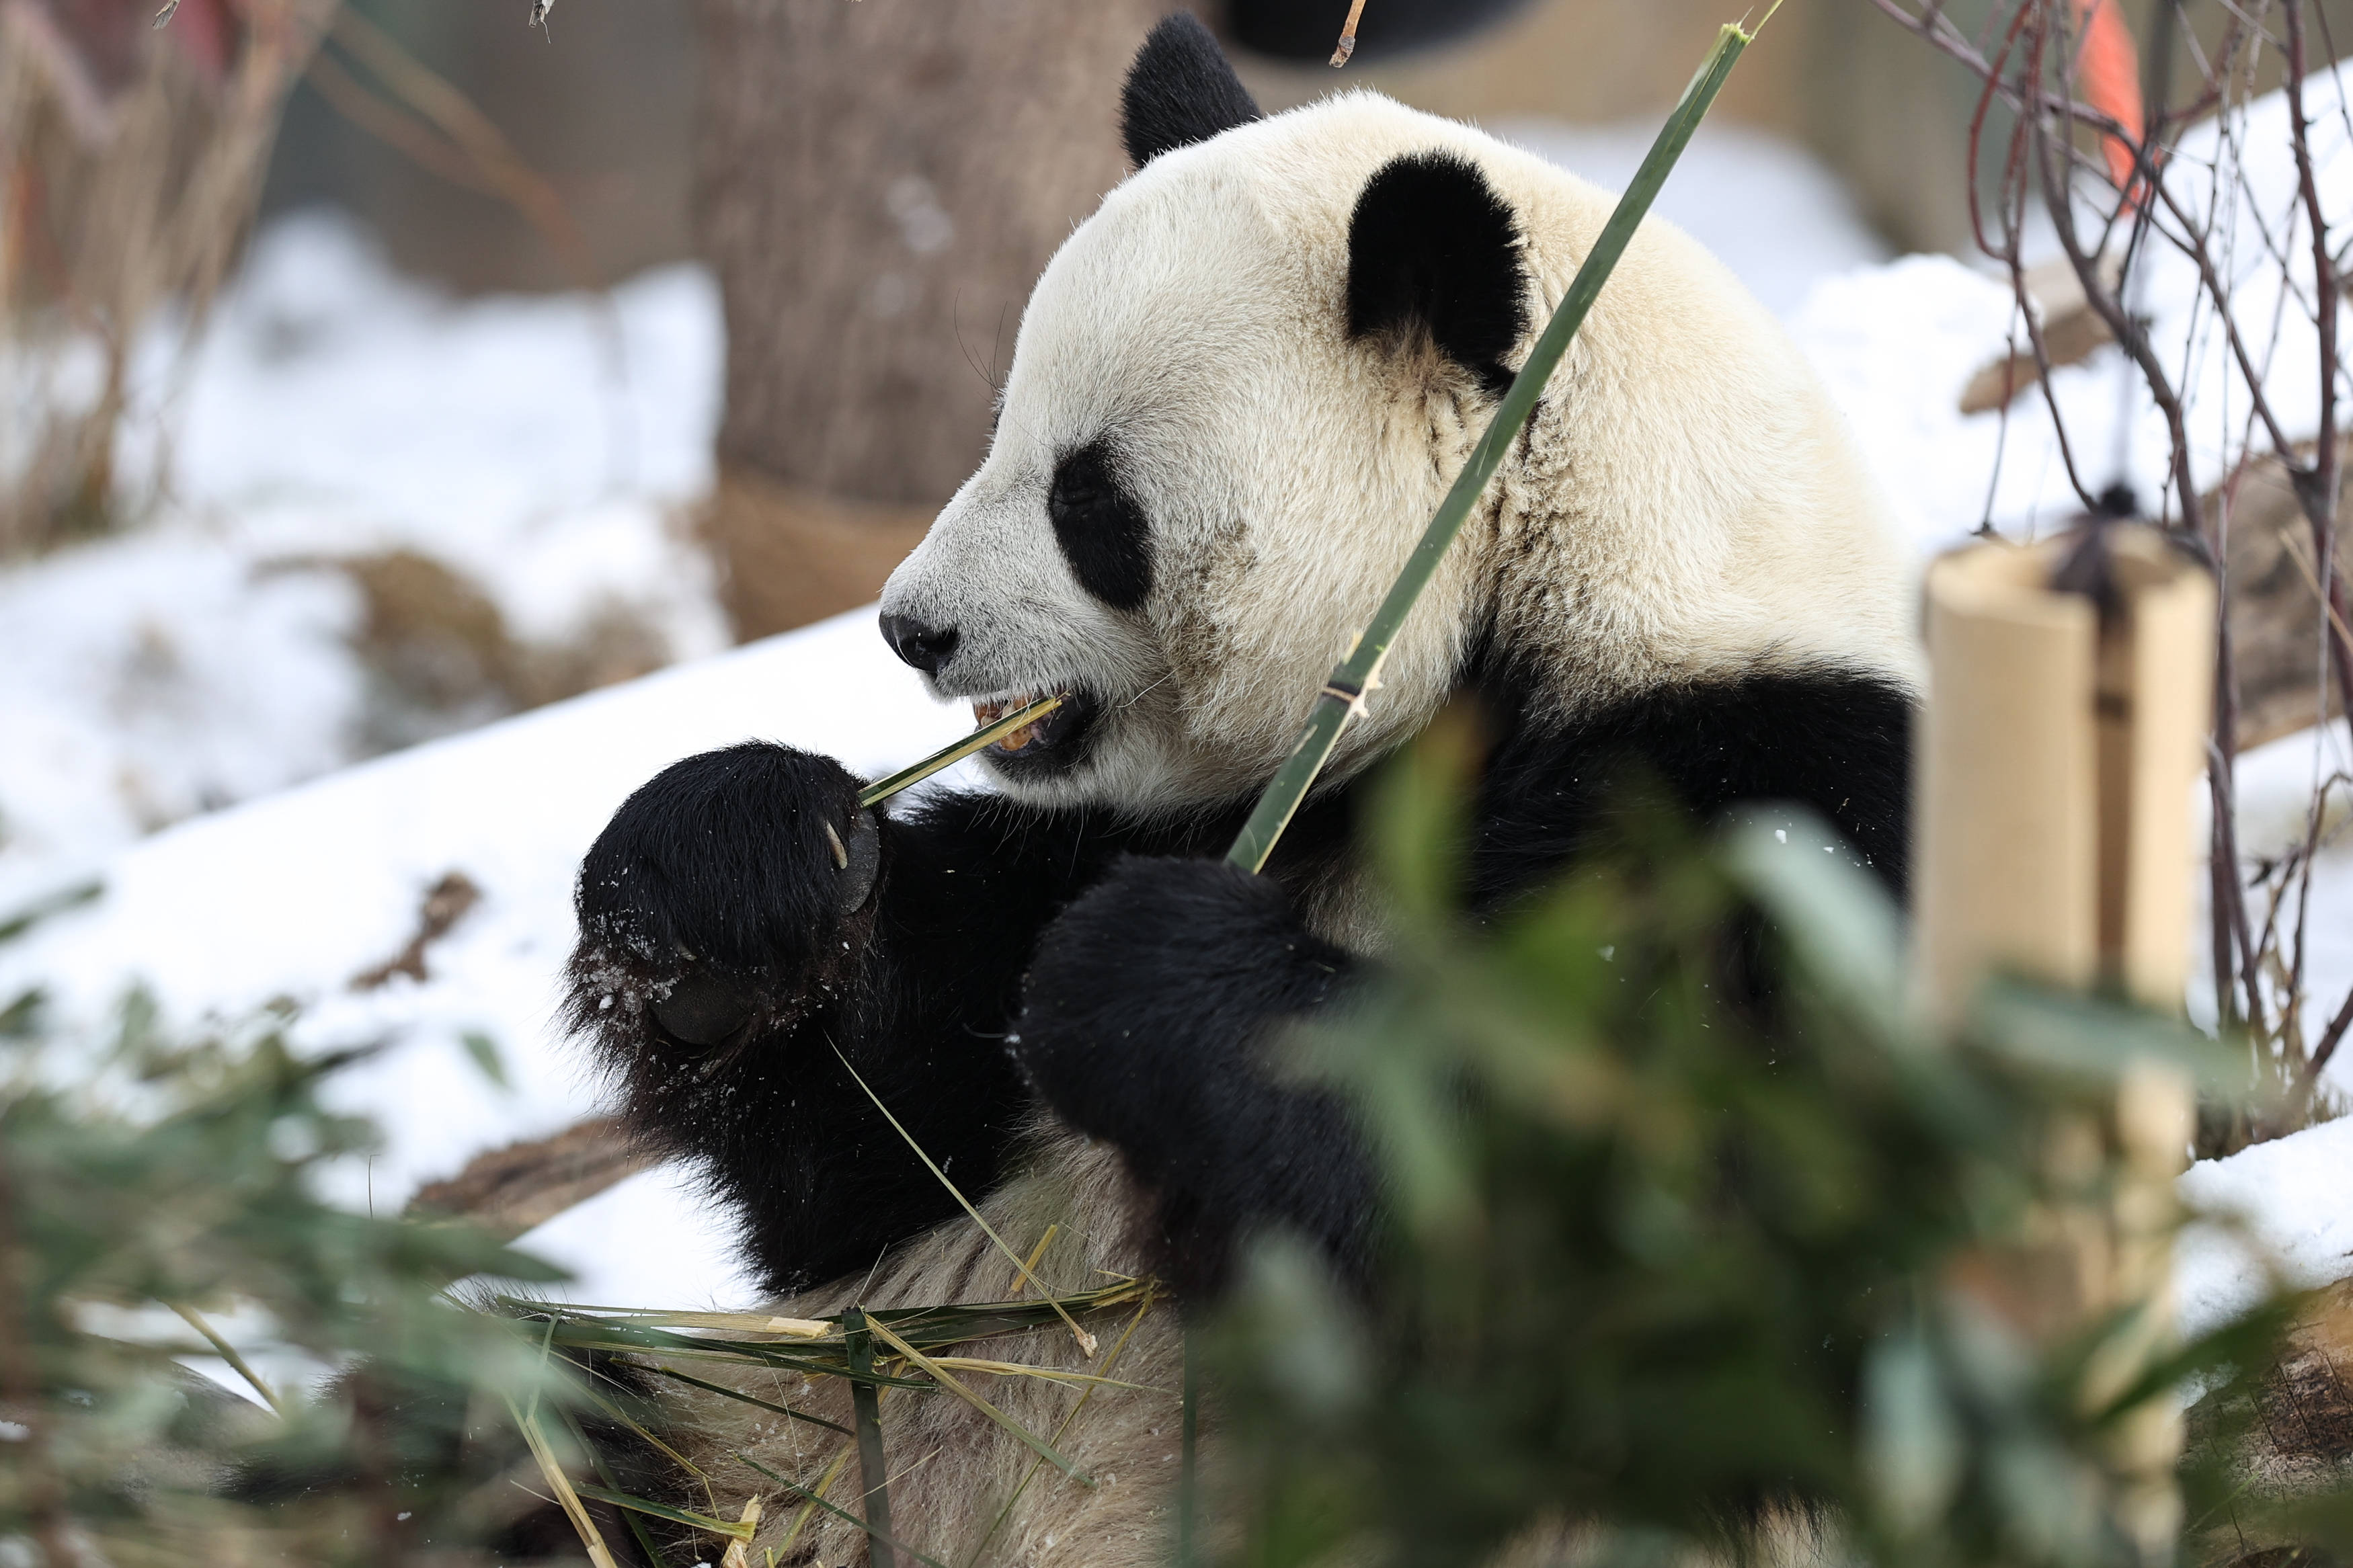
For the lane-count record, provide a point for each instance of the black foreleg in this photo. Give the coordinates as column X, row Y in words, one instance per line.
column 1149, row 1014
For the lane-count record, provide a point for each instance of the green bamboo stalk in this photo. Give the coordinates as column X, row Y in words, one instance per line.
column 1359, row 673
column 882, row 789
column 865, row 1405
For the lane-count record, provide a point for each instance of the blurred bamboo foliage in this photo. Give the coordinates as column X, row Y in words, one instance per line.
column 132, row 158
column 1708, row 1250
column 160, row 1201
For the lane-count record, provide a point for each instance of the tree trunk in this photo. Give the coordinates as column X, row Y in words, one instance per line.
column 879, row 184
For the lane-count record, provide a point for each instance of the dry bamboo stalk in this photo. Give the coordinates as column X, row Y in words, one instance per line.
column 2057, row 760
column 2055, row 767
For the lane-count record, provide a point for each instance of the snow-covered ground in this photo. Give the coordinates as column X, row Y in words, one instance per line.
column 543, row 448
column 1765, row 206
column 160, row 679
column 292, row 897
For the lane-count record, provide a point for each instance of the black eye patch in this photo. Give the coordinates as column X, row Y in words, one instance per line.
column 1103, row 532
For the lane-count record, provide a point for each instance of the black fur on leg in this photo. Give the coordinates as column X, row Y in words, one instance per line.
column 1181, row 90
column 732, row 852
column 1148, row 1005
column 1149, row 1013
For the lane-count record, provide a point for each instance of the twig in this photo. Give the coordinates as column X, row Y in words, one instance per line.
column 2330, row 1040
column 227, row 1353
column 474, row 135
column 1348, row 35
column 2317, row 488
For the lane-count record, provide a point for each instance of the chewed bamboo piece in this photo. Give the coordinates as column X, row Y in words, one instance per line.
column 882, row 789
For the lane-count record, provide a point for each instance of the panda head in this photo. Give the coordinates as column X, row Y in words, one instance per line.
column 1239, row 392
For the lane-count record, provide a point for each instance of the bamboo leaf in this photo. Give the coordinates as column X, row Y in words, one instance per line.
column 567, row 1496
column 880, row 1539
column 783, row 1548
column 1343, row 694
column 655, row 1556
column 948, row 1380
column 228, row 1353
column 733, row 1529
column 737, row 1394
column 1045, row 1373
column 1118, row 1349
column 1086, row 1340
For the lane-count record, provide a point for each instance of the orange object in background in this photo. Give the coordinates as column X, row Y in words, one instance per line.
column 2110, row 71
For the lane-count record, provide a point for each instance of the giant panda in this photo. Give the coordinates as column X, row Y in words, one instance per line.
column 1237, row 393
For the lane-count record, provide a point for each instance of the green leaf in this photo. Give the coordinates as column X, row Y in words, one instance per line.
column 485, row 1052
column 731, row 1529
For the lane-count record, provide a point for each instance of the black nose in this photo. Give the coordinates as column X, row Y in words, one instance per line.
column 926, row 647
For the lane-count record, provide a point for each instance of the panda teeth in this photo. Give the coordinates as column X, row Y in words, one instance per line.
column 989, row 711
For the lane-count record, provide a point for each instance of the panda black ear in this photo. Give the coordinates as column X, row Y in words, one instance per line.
column 1181, row 90
column 1432, row 246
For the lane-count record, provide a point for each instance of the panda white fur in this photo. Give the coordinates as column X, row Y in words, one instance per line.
column 1239, row 392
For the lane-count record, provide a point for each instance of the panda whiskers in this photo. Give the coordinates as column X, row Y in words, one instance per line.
column 1125, row 704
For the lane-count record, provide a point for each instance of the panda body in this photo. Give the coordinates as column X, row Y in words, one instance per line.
column 1239, row 392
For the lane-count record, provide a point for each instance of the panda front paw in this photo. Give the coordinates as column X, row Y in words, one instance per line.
column 725, row 895
column 1149, row 996
column 1147, row 1018
column 1158, row 949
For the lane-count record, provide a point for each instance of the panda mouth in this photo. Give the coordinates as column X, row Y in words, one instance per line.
column 1046, row 744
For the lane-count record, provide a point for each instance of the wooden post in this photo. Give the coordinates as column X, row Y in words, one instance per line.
column 2056, row 765
column 2055, row 769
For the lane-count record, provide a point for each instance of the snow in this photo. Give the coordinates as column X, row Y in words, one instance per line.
column 1767, row 209
column 2282, row 1209
column 545, row 448
column 650, row 1242
column 2278, row 1210
column 182, row 705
